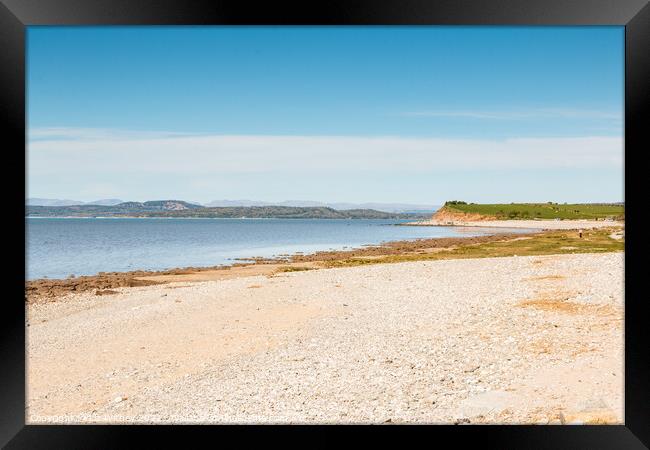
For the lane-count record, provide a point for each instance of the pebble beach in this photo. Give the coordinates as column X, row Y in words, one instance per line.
column 534, row 339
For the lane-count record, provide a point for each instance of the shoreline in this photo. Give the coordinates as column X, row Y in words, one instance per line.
column 498, row 329
column 104, row 283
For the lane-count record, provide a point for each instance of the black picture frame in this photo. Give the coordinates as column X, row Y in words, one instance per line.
column 15, row 15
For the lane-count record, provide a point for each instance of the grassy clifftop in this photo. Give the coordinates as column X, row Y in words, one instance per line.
column 537, row 210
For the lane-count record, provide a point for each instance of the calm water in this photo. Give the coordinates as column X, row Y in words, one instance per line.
column 57, row 248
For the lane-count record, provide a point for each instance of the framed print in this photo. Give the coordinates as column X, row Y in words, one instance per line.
column 407, row 214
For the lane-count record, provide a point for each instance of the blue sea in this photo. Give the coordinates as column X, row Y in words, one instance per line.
column 59, row 247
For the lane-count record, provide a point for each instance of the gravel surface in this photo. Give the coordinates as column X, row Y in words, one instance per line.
column 496, row 340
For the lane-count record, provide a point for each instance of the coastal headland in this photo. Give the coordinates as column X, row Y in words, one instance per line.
column 543, row 216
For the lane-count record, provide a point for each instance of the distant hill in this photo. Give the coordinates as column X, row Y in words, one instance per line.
column 52, row 202
column 58, row 202
column 157, row 205
column 239, row 203
column 106, row 202
column 549, row 210
column 177, row 208
column 387, row 207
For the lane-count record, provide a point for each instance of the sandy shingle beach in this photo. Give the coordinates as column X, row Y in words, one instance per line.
column 534, row 339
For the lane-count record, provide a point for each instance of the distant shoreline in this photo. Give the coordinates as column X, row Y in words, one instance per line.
column 177, row 209
column 211, row 218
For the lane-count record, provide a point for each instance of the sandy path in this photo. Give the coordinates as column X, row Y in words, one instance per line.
column 508, row 340
column 532, row 224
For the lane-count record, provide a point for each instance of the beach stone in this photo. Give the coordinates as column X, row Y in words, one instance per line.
column 592, row 404
column 486, row 402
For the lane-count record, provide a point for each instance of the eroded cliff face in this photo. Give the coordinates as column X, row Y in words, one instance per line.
column 446, row 214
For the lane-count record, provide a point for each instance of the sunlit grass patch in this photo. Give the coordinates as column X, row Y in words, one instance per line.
column 285, row 269
column 546, row 243
column 540, row 210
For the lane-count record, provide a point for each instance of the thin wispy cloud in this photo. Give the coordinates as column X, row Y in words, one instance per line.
column 90, row 134
column 114, row 151
column 549, row 113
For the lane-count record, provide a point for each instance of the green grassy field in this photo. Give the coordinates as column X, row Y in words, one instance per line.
column 546, row 243
column 541, row 210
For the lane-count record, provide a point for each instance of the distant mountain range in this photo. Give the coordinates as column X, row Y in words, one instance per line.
column 385, row 207
column 58, row 202
column 179, row 208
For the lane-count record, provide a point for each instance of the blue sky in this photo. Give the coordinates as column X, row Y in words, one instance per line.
column 408, row 114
